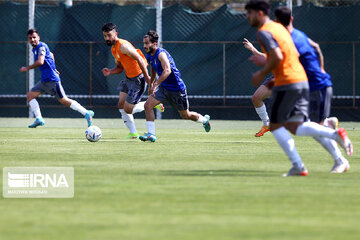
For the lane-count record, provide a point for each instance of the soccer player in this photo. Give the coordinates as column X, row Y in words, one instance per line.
column 133, row 62
column 319, row 83
column 290, row 92
column 167, row 87
column 50, row 81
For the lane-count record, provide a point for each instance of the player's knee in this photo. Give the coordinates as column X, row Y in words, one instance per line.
column 148, row 106
column 185, row 115
column 256, row 100
column 128, row 109
column 30, row 96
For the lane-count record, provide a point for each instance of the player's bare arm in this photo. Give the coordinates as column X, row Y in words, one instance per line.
column 39, row 62
column 53, row 57
column 116, row 70
column 131, row 52
column 275, row 56
column 165, row 64
column 248, row 45
column 317, row 48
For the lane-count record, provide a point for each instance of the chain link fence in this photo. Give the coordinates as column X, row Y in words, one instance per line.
column 204, row 38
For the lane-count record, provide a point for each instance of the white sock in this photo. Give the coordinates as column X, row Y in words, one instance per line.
column 34, row 105
column 201, row 119
column 315, row 130
column 150, row 125
column 330, row 146
column 261, row 111
column 128, row 120
column 77, row 107
column 139, row 107
column 287, row 143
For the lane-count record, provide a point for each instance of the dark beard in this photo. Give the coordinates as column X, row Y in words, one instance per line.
column 110, row 43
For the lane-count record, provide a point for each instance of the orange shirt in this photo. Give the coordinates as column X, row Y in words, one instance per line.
column 130, row 65
column 289, row 70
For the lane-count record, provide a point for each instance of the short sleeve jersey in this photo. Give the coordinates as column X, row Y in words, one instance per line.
column 48, row 69
column 130, row 65
column 289, row 70
column 309, row 59
column 173, row 82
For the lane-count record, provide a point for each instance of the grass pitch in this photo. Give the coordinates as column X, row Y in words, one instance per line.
column 225, row 184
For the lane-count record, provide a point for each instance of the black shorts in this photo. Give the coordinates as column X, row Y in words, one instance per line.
column 288, row 101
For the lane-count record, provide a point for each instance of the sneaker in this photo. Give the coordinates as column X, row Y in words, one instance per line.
column 89, row 115
column 333, row 122
column 207, row 125
column 148, row 137
column 343, row 140
column 262, row 131
column 132, row 136
column 37, row 122
column 340, row 167
column 294, row 171
column 161, row 107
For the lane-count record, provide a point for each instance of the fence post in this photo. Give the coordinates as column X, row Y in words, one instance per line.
column 30, row 59
column 354, row 74
column 224, row 74
column 90, row 72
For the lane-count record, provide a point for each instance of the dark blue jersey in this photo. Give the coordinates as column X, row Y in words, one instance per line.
column 309, row 59
column 47, row 70
column 173, row 82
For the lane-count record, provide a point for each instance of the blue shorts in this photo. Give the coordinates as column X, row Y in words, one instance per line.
column 178, row 100
column 52, row 88
column 320, row 104
column 134, row 87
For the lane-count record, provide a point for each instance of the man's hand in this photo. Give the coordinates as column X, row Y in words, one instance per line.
column 248, row 45
column 106, row 72
column 258, row 60
column 152, row 88
column 23, row 69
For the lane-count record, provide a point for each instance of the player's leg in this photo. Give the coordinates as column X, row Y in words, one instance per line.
column 320, row 104
column 151, row 102
column 196, row 117
column 34, row 105
column 257, row 99
column 136, row 87
column 59, row 93
column 283, row 104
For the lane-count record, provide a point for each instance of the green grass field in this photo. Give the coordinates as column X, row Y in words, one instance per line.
column 225, row 184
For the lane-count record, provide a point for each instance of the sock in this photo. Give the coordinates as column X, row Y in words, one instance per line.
column 315, row 130
column 139, row 107
column 128, row 120
column 287, row 143
column 77, row 107
column 201, row 119
column 150, row 125
column 261, row 111
column 330, row 146
column 34, row 105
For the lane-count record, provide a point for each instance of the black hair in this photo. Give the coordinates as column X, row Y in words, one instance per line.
column 260, row 5
column 31, row 31
column 153, row 36
column 109, row 27
column 283, row 15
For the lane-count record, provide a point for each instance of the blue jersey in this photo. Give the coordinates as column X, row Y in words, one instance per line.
column 173, row 82
column 47, row 70
column 309, row 59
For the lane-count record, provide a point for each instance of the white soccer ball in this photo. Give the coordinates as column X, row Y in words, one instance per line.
column 93, row 133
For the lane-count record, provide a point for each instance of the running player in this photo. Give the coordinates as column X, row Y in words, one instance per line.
column 50, row 81
column 168, row 87
column 290, row 94
column 133, row 62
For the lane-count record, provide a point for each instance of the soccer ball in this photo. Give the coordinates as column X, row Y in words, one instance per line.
column 93, row 133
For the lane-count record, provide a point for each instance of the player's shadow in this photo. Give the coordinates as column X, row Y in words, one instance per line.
column 218, row 173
